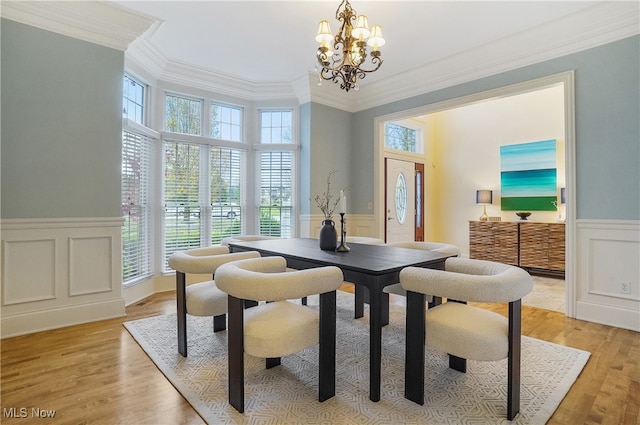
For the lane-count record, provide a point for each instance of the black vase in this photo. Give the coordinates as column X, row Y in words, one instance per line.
column 328, row 236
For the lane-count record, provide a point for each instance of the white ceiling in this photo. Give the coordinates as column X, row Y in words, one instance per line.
column 265, row 50
column 273, row 41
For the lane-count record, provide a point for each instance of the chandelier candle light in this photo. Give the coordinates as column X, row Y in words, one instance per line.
column 352, row 41
column 343, row 233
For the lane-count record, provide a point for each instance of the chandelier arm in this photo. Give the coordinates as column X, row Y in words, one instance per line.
column 346, row 68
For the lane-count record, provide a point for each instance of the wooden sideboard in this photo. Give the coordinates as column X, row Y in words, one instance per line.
column 531, row 245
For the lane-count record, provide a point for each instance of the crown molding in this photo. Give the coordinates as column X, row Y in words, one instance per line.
column 96, row 22
column 329, row 94
column 599, row 24
column 203, row 79
column 145, row 56
column 111, row 26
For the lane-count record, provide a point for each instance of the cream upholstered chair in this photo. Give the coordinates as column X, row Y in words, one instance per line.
column 363, row 239
column 203, row 298
column 279, row 327
column 463, row 331
column 427, row 246
column 245, row 238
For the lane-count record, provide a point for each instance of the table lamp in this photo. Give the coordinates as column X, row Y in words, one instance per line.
column 484, row 198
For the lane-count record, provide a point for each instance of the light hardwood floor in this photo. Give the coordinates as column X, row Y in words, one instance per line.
column 97, row 374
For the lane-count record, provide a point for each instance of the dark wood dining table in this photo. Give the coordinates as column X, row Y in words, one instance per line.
column 369, row 267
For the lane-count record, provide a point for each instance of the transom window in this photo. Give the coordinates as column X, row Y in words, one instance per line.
column 183, row 115
column 276, row 126
column 133, row 100
column 400, row 137
column 226, row 122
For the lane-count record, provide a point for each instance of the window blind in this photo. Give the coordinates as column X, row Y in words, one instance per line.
column 136, row 211
column 182, row 209
column 276, row 187
column 225, row 187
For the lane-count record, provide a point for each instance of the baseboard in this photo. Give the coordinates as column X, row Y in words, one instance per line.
column 44, row 320
column 608, row 278
column 608, row 315
column 156, row 284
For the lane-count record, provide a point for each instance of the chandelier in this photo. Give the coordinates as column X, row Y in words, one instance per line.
column 352, row 41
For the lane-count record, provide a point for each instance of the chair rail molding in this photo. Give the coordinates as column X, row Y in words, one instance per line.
column 357, row 225
column 60, row 272
column 608, row 277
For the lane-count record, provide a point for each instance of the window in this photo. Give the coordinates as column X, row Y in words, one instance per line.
column 204, row 180
column 276, row 201
column 225, row 187
column 136, row 208
column 182, row 229
column 275, row 162
column 226, row 122
column 400, row 137
column 133, row 100
column 276, row 126
column 183, row 115
column 202, row 195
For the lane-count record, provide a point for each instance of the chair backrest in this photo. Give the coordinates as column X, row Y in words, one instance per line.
column 429, row 246
column 245, row 238
column 266, row 279
column 364, row 240
column 206, row 260
column 467, row 279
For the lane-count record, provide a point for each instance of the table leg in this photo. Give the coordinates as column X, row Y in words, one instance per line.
column 359, row 303
column 384, row 312
column 414, row 351
column 375, row 348
column 181, row 307
column 235, row 335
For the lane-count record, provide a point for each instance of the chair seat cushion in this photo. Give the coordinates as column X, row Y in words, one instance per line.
column 205, row 299
column 279, row 328
column 468, row 332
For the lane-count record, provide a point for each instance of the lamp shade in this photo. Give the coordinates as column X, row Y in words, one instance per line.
column 376, row 39
column 361, row 31
column 484, row 196
column 563, row 195
column 324, row 32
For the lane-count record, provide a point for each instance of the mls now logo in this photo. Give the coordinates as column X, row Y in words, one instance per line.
column 23, row 412
column 14, row 412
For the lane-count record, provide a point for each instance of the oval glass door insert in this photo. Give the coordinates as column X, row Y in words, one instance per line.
column 401, row 198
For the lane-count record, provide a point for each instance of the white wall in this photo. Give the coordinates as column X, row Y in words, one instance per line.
column 466, row 157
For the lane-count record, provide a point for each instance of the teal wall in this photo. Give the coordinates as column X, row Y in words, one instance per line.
column 607, row 108
column 61, row 125
column 61, row 129
column 327, row 149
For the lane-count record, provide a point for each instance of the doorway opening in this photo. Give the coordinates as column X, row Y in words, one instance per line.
column 451, row 180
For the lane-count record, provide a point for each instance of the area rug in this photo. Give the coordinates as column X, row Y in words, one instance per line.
column 288, row 394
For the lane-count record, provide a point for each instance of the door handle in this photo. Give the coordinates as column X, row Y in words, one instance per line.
column 390, row 218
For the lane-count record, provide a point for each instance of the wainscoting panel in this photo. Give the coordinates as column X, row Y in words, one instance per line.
column 60, row 272
column 32, row 281
column 90, row 265
column 608, row 275
column 357, row 225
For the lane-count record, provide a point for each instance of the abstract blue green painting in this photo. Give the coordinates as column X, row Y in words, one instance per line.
column 528, row 176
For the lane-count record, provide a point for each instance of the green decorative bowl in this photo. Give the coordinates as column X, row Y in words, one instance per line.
column 523, row 215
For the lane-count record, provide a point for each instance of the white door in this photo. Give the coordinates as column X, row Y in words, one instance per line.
column 400, row 200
